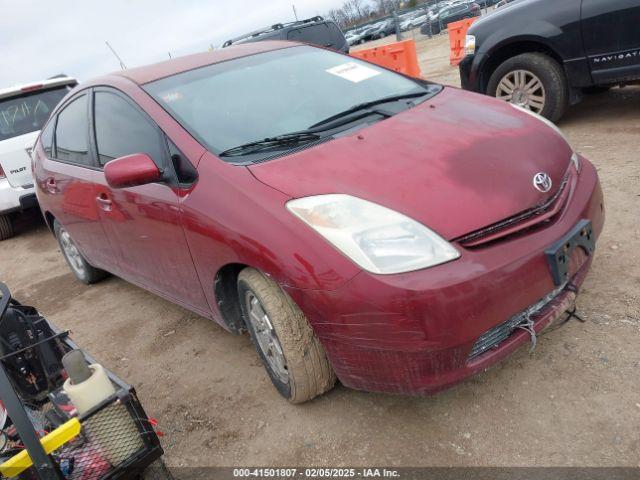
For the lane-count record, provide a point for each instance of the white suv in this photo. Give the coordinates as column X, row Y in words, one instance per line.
column 23, row 111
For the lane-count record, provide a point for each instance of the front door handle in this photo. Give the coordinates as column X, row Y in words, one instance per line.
column 105, row 202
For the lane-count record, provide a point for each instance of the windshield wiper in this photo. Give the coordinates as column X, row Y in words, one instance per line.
column 287, row 139
column 365, row 106
column 310, row 134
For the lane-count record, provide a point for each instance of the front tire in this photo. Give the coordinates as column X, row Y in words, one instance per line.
column 77, row 263
column 533, row 81
column 6, row 227
column 291, row 353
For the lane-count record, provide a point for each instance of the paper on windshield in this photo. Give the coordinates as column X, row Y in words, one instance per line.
column 354, row 72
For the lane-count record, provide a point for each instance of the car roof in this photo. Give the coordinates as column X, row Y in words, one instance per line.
column 276, row 30
column 17, row 90
column 156, row 71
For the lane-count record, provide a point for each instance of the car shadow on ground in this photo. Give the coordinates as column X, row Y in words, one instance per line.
column 617, row 103
column 27, row 222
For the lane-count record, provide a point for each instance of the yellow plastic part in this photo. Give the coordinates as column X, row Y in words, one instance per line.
column 50, row 442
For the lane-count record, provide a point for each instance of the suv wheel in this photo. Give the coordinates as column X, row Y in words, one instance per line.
column 6, row 227
column 290, row 351
column 78, row 264
column 534, row 81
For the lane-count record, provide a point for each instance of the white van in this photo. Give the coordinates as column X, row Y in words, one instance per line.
column 23, row 111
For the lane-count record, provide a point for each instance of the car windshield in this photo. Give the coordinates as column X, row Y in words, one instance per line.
column 27, row 113
column 232, row 103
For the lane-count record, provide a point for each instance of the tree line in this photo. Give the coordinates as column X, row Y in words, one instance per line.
column 354, row 12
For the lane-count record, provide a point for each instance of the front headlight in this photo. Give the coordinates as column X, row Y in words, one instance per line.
column 376, row 238
column 575, row 159
column 470, row 45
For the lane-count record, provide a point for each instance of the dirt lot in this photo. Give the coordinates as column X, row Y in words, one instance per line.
column 575, row 401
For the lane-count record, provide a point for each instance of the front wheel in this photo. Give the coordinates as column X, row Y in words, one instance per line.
column 78, row 264
column 533, row 81
column 291, row 353
column 6, row 227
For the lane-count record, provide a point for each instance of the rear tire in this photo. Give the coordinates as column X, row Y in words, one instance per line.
column 6, row 227
column 553, row 92
column 291, row 353
column 77, row 263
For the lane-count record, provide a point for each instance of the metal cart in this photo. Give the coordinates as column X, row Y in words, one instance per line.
column 115, row 439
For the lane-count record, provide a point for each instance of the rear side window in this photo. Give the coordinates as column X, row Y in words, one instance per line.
column 123, row 130
column 46, row 138
column 72, row 132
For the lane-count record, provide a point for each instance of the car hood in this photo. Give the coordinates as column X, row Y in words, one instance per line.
column 457, row 163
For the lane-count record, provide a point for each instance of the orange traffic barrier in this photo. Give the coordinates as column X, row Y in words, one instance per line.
column 457, row 37
column 400, row 57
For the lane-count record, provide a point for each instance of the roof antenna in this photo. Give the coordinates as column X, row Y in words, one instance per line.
column 122, row 65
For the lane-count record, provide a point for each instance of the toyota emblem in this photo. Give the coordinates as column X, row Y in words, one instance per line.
column 542, row 182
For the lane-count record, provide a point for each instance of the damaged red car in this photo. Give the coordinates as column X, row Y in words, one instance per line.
column 389, row 232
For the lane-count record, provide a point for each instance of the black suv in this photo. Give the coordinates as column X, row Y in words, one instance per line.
column 545, row 54
column 316, row 31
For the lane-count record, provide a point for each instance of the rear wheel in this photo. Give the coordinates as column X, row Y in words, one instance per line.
column 290, row 351
column 6, row 227
column 533, row 81
column 78, row 264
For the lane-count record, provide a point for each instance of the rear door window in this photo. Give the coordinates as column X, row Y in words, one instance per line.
column 121, row 129
column 27, row 113
column 72, row 133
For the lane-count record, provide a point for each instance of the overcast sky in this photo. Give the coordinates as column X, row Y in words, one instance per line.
column 39, row 39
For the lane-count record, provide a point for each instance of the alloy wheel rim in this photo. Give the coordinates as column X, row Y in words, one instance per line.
column 522, row 88
column 72, row 253
column 266, row 337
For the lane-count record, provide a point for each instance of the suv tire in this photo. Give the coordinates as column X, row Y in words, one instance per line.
column 6, row 227
column 76, row 261
column 290, row 351
column 550, row 77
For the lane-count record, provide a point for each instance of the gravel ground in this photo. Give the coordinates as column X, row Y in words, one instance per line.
column 575, row 401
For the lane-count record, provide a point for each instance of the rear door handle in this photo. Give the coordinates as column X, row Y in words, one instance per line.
column 104, row 201
column 51, row 185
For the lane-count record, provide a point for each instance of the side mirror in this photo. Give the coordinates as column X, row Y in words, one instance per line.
column 131, row 171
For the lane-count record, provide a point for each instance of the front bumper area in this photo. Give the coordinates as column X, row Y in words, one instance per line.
column 414, row 333
column 14, row 199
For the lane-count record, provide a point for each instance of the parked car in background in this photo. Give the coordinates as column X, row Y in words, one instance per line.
column 254, row 186
column 384, row 29
column 449, row 14
column 352, row 37
column 23, row 111
column 543, row 55
column 367, row 33
column 315, row 30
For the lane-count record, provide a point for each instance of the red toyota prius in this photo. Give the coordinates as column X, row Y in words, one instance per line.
column 393, row 233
